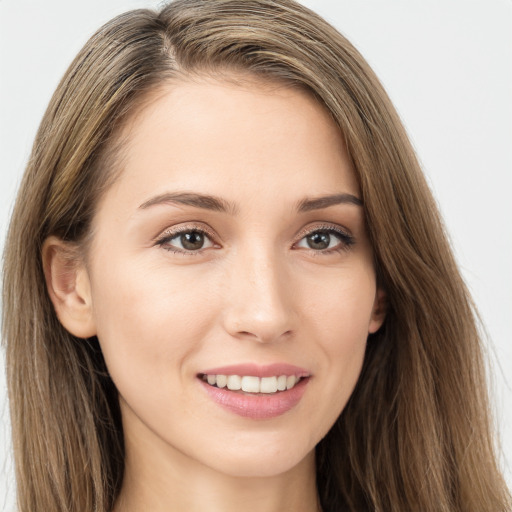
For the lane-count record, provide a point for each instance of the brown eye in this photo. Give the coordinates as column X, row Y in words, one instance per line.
column 325, row 240
column 319, row 240
column 192, row 240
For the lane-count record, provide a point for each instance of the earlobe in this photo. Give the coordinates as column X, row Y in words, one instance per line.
column 68, row 286
column 379, row 311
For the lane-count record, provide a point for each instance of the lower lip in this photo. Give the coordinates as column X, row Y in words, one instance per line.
column 257, row 406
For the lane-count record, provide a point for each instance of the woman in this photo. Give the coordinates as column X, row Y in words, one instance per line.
column 234, row 285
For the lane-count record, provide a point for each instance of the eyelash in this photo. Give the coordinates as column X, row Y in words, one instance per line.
column 174, row 233
column 346, row 240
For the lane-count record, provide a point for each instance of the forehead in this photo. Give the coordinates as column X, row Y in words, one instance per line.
column 231, row 139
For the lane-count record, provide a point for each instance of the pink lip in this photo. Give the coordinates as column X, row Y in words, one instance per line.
column 257, row 406
column 255, row 370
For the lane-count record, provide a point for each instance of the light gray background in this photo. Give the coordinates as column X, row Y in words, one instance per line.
column 447, row 65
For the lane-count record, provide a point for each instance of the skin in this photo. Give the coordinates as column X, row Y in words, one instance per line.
column 255, row 292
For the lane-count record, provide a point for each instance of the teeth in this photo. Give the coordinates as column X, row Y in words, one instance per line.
column 234, row 382
column 251, row 384
column 281, row 383
column 268, row 385
column 222, row 380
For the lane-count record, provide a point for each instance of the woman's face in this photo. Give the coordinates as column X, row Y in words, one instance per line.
column 232, row 244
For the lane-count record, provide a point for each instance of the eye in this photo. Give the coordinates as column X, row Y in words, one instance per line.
column 326, row 240
column 185, row 241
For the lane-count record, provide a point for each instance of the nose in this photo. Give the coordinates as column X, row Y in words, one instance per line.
column 259, row 298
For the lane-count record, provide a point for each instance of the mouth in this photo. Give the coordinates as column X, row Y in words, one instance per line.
column 256, row 392
column 251, row 384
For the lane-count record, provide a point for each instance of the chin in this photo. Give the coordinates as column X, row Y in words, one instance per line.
column 262, row 460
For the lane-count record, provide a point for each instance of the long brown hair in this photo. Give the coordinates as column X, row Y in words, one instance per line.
column 416, row 433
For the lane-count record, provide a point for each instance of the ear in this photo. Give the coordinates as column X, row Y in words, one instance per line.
column 69, row 288
column 380, row 306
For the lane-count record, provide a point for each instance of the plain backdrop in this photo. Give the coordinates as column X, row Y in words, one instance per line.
column 447, row 65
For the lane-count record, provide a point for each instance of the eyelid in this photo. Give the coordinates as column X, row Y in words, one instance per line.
column 174, row 231
column 186, row 226
column 346, row 238
column 323, row 227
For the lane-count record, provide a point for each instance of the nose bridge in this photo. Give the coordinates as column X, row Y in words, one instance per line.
column 259, row 301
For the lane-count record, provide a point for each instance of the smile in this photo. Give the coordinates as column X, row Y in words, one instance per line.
column 256, row 392
column 251, row 383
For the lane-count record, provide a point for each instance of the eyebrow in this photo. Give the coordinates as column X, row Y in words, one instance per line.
column 206, row 202
column 317, row 203
column 218, row 204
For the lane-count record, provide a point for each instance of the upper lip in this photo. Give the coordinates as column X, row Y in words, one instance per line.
column 255, row 370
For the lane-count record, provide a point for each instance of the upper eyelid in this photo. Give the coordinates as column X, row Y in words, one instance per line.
column 324, row 227
column 175, row 231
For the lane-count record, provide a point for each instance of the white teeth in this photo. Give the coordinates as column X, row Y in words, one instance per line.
column 234, row 382
column 268, row 385
column 251, row 384
column 222, row 381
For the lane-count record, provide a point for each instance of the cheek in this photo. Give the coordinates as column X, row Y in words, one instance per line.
column 148, row 321
column 341, row 306
column 340, row 317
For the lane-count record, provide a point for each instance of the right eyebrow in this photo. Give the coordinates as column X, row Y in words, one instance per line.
column 203, row 201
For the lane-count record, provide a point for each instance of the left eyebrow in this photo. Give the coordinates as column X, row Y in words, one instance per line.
column 317, row 203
